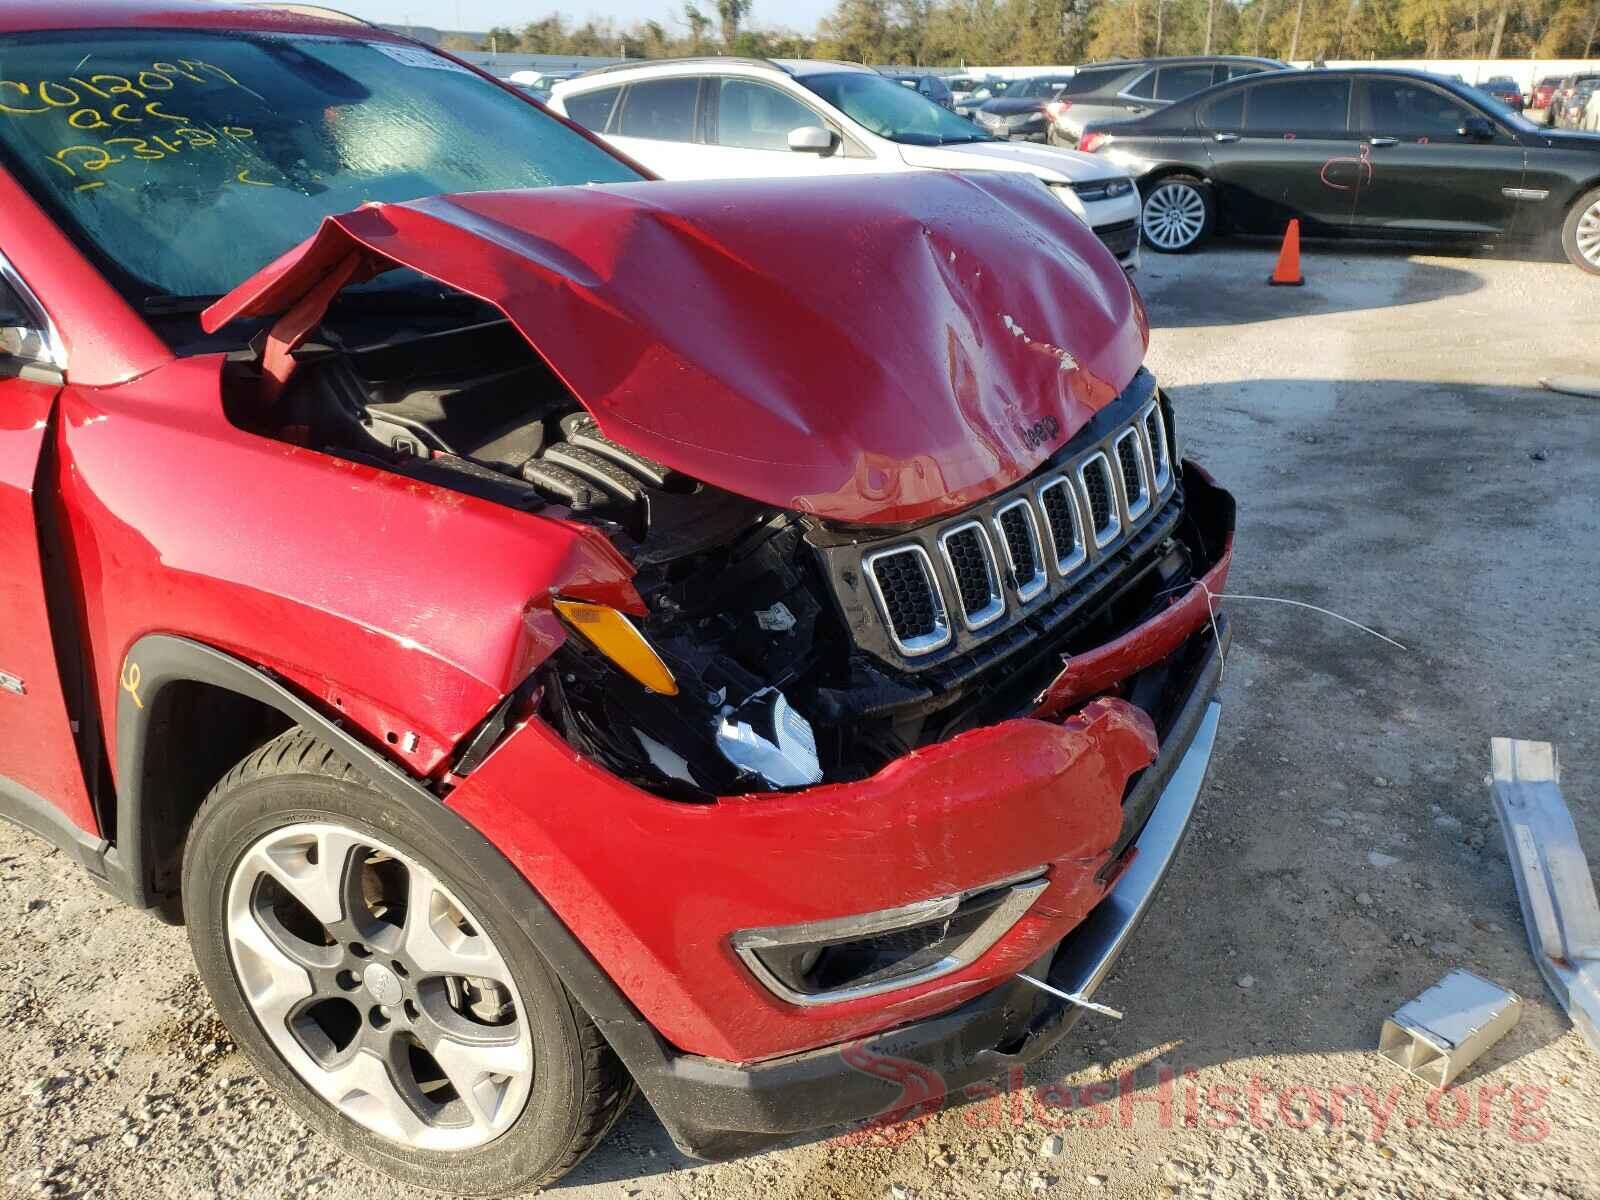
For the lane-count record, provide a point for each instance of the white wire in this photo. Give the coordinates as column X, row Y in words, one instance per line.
column 1327, row 612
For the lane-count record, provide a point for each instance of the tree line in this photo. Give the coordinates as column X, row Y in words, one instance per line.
column 956, row 32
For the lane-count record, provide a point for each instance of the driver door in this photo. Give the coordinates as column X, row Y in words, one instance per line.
column 41, row 780
column 1426, row 175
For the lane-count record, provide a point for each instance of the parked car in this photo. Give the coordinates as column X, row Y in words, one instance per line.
column 726, row 118
column 967, row 105
column 1370, row 153
column 1128, row 88
column 962, row 86
column 1504, row 89
column 550, row 632
column 1572, row 111
column 1019, row 114
column 1561, row 98
column 930, row 87
column 1543, row 91
column 539, row 84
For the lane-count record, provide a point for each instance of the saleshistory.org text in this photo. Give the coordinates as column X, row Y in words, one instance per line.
column 1179, row 1098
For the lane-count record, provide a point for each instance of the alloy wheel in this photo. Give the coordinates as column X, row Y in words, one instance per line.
column 1174, row 215
column 1587, row 235
column 378, row 987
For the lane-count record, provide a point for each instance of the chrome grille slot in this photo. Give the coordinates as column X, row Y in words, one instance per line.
column 1019, row 534
column 908, row 596
column 1130, row 458
column 986, row 580
column 970, row 557
column 1100, row 492
column 1067, row 542
column 1155, row 434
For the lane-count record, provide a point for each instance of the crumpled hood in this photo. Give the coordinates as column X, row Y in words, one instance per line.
column 875, row 350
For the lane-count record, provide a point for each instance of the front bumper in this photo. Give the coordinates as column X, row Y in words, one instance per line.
column 715, row 1109
column 647, row 893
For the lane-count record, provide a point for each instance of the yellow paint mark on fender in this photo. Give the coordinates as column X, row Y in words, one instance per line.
column 130, row 681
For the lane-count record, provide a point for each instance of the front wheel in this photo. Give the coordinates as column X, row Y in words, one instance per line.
column 1580, row 233
column 1180, row 213
column 367, row 955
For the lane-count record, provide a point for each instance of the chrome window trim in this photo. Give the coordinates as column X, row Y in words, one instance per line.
column 1143, row 468
column 56, row 352
column 1127, row 89
column 1114, row 486
column 924, row 643
column 1160, row 480
column 1026, row 888
column 996, row 608
column 1041, row 576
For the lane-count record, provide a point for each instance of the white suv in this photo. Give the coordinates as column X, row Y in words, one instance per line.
column 730, row 118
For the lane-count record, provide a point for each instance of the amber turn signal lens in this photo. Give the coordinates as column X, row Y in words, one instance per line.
column 611, row 633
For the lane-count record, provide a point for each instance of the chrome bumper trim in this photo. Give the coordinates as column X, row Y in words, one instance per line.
column 1091, row 950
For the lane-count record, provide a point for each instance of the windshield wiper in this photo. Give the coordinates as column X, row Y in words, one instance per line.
column 405, row 300
column 175, row 306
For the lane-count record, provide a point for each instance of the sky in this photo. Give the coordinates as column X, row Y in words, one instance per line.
column 481, row 14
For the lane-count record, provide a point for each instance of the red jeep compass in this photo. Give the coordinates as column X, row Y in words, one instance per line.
column 548, row 631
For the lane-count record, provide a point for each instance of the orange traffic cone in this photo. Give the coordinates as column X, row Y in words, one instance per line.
column 1287, row 272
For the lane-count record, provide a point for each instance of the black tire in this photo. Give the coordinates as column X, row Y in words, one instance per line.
column 579, row 1087
column 1182, row 196
column 1580, row 232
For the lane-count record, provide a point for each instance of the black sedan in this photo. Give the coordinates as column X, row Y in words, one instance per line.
column 1366, row 153
column 1020, row 115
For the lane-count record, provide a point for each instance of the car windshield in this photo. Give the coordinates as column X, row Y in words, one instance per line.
column 1035, row 89
column 185, row 161
column 893, row 110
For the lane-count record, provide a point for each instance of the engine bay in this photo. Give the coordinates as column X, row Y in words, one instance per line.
column 778, row 683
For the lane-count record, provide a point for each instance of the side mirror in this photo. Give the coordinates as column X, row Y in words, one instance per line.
column 811, row 139
column 1479, row 129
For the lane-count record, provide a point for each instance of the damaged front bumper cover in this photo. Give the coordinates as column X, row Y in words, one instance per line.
column 716, row 1109
column 727, row 1063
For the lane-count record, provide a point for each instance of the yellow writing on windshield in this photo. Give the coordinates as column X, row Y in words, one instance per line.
column 109, row 103
column 92, row 157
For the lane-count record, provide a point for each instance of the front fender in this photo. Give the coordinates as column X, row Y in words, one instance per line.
column 404, row 609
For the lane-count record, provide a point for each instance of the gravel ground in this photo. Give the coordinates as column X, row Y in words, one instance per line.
column 1395, row 460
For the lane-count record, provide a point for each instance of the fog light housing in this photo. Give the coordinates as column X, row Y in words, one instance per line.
column 846, row 958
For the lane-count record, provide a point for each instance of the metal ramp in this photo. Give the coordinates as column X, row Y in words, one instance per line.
column 1553, row 880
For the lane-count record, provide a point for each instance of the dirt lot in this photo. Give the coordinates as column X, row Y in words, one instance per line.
column 1395, row 460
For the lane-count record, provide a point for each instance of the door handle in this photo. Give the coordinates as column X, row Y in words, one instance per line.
column 1224, row 137
column 1383, row 141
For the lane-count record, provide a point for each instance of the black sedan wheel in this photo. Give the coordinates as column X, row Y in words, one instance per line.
column 1580, row 236
column 1179, row 214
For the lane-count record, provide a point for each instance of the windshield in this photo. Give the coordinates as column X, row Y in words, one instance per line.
column 893, row 110
column 1031, row 89
column 186, row 161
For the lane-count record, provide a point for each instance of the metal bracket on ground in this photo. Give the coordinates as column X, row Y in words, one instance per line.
column 1447, row 1028
column 1553, row 880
